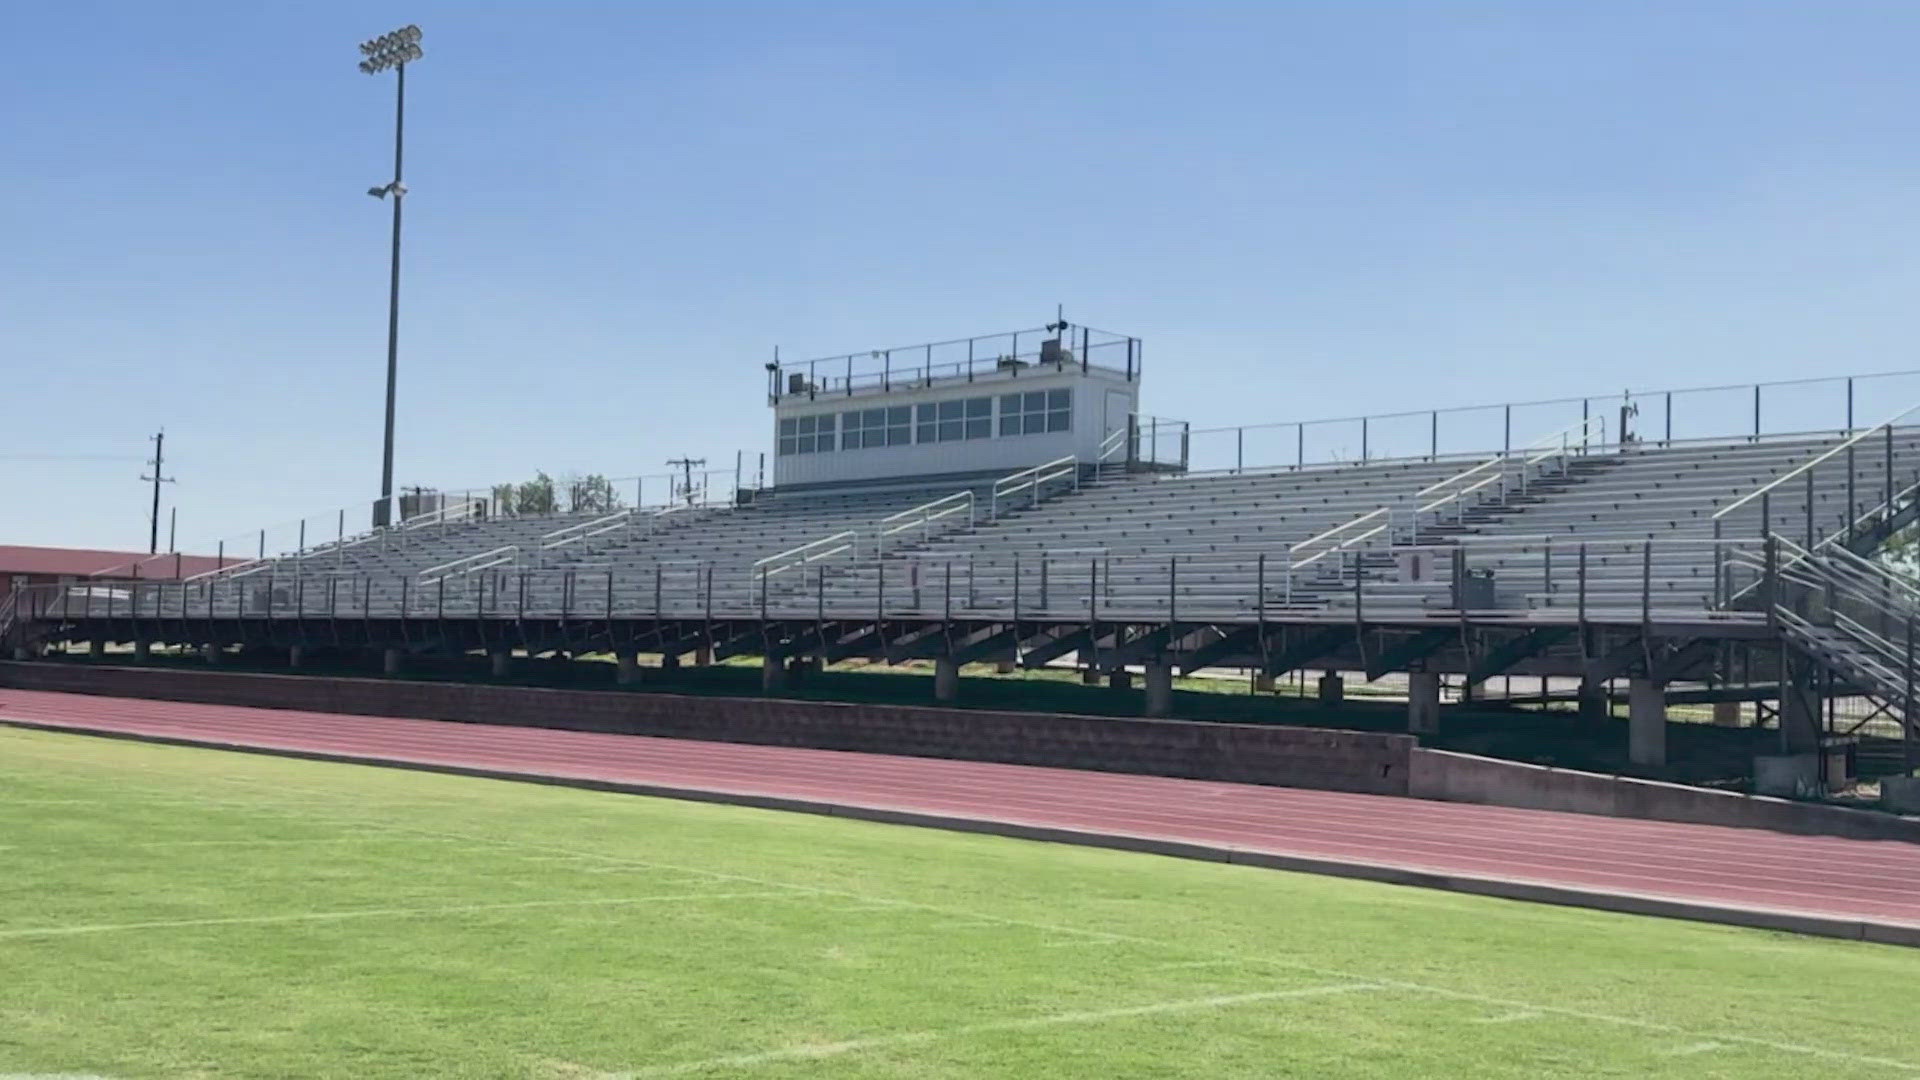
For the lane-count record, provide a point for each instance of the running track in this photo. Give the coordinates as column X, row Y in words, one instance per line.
column 1824, row 885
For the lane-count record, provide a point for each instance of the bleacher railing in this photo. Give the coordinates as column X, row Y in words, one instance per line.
column 1033, row 483
column 1400, row 522
column 505, row 555
column 1806, row 484
column 1662, row 417
column 958, row 360
column 951, row 512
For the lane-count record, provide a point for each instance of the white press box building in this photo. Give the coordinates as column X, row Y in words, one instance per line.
column 954, row 408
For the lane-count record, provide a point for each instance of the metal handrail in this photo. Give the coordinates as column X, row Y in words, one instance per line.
column 1294, row 563
column 1564, row 438
column 1031, row 479
column 849, row 540
column 465, row 507
column 1545, row 446
column 508, row 553
column 1114, row 443
column 1884, row 425
column 582, row 530
column 923, row 516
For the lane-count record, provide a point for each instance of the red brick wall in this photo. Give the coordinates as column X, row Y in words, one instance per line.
column 1289, row 756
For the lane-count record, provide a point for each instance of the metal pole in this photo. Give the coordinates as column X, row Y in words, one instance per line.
column 1809, row 509
column 1907, row 718
column 383, row 514
column 159, row 458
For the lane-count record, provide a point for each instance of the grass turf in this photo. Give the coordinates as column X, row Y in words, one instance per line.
column 175, row 912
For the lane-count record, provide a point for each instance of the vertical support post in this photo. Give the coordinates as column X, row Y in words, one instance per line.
column 1299, row 446
column 1647, row 722
column 1720, row 589
column 1756, row 412
column 1809, row 501
column 1910, row 752
column 1646, row 584
column 1668, row 440
column 1423, row 702
column 1853, row 510
column 1849, row 405
column 1506, row 435
column 1363, row 439
column 1581, row 609
column 1433, row 435
column 1239, row 450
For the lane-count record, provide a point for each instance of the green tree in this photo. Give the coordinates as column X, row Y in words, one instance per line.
column 535, row 496
column 592, row 494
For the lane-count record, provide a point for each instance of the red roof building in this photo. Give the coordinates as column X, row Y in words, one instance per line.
column 21, row 566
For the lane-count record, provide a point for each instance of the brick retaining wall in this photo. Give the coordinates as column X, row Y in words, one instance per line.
column 1246, row 753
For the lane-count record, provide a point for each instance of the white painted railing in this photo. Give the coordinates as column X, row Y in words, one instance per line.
column 485, row 560
column 847, row 543
column 923, row 517
column 1029, row 481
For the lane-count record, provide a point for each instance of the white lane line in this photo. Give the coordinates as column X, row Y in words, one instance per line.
column 1031, row 1023
column 333, row 800
column 368, row 838
column 1075, row 943
column 1506, row 1018
column 1694, row 1048
column 376, row 913
column 1180, row 964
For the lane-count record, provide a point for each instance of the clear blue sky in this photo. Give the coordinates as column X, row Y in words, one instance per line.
column 618, row 210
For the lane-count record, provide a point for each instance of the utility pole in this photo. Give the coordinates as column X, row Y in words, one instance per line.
column 153, row 520
column 686, row 469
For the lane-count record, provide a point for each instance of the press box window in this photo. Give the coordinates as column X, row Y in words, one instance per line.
column 952, row 421
column 1036, row 411
column 876, row 427
column 806, row 434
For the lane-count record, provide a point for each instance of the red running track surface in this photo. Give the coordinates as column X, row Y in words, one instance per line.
column 1734, row 868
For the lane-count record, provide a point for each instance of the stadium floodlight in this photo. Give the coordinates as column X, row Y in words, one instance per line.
column 395, row 50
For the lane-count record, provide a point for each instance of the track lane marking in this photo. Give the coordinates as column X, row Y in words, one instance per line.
column 374, row 913
column 1031, row 1023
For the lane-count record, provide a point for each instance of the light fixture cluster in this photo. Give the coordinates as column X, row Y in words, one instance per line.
column 391, row 50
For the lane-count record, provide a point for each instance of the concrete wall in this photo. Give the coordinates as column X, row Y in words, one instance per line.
column 1451, row 777
column 1288, row 756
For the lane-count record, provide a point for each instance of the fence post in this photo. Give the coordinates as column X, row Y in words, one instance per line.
column 1433, row 435
column 1756, row 412
column 1239, row 450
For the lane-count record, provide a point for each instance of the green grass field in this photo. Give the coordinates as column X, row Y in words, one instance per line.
column 181, row 913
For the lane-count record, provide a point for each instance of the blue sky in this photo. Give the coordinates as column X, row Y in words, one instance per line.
column 618, row 211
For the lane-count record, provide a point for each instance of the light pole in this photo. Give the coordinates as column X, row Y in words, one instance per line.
column 396, row 51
